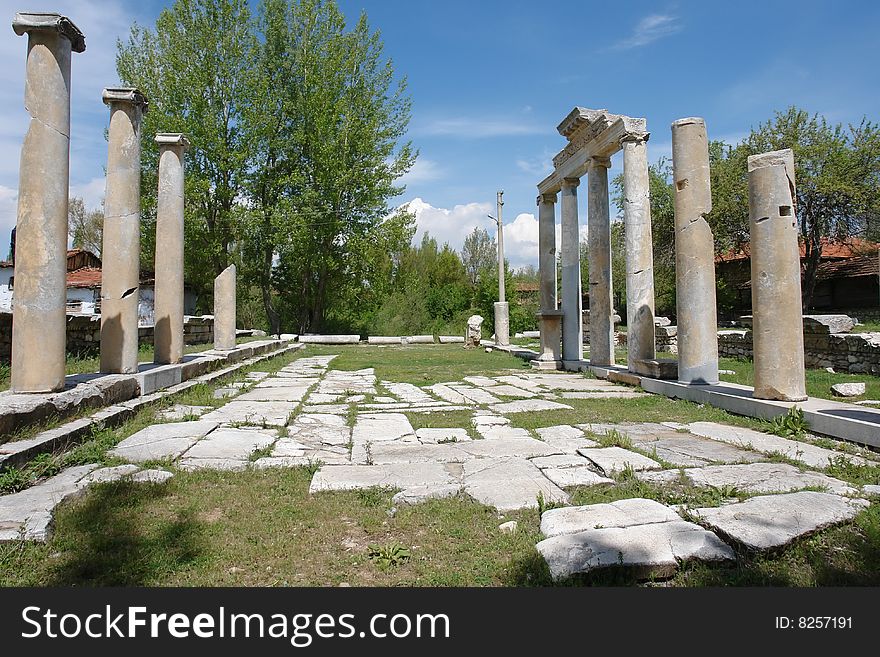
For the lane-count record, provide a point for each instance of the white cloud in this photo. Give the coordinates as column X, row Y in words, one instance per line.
column 474, row 128
column 649, row 29
column 452, row 226
column 422, row 171
column 92, row 193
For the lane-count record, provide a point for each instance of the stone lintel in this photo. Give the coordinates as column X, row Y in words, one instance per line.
column 125, row 95
column 172, row 139
column 26, row 21
column 580, row 117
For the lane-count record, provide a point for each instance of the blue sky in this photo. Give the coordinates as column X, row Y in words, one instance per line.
column 491, row 80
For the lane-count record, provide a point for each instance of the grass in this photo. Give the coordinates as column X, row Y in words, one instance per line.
column 819, row 382
column 263, row 528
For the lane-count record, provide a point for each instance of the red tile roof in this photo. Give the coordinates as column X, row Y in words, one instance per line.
column 87, row 277
column 831, row 250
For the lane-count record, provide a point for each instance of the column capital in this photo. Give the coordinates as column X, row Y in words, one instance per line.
column 172, row 139
column 125, row 95
column 635, row 138
column 26, row 21
column 597, row 161
column 549, row 197
column 570, row 182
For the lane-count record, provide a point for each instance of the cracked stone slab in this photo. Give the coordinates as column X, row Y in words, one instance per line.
column 573, row 383
column 275, row 393
column 485, row 420
column 616, row 459
column 528, row 406
column 811, row 455
column 565, row 438
column 374, row 427
column 476, row 395
column 580, row 476
column 309, row 458
column 433, row 436
column 152, row 476
column 397, row 452
column 686, row 450
column 183, row 412
column 509, row 484
column 520, row 382
column 408, row 392
column 508, row 447
column 481, row 381
column 622, row 513
column 752, row 478
column 319, row 429
column 226, row 449
column 335, row 409
column 501, row 431
column 512, row 391
column 605, row 394
column 286, row 382
column 396, row 475
column 437, row 409
column 162, row 441
column 446, row 393
column 258, row 413
column 653, row 550
column 765, row 522
column 420, row 494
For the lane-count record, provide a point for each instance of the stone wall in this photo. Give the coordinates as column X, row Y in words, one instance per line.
column 84, row 333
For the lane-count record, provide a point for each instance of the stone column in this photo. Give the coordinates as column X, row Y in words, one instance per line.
column 777, row 320
column 39, row 319
column 224, row 309
column 120, row 254
column 601, row 306
column 572, row 328
column 639, row 251
column 547, row 251
column 168, row 304
column 694, row 254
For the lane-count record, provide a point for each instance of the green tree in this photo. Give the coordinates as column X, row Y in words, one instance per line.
column 85, row 227
column 479, row 253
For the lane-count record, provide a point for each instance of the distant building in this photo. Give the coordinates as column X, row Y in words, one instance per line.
column 84, row 288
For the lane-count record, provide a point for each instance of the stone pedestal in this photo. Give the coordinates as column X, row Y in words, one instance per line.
column 224, row 310
column 572, row 345
column 601, row 325
column 120, row 254
column 551, row 329
column 502, row 323
column 547, row 251
column 39, row 311
column 694, row 254
column 168, row 305
column 777, row 322
column 639, row 253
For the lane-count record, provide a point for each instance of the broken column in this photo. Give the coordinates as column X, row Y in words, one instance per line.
column 694, row 254
column 639, row 251
column 39, row 324
column 572, row 328
column 599, row 237
column 120, row 254
column 224, row 309
column 168, row 304
column 777, row 320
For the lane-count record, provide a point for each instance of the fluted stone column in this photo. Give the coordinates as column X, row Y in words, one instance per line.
column 777, row 320
column 168, row 304
column 120, row 254
column 224, row 309
column 572, row 327
column 601, row 307
column 694, row 254
column 639, row 252
column 39, row 320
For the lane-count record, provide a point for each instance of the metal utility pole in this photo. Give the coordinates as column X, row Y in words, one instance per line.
column 502, row 310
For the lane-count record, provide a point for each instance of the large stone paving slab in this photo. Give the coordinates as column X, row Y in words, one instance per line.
column 476, row 395
column 444, row 392
column 651, row 550
column 528, row 406
column 605, row 394
column 616, row 459
column 501, row 447
column 408, row 392
column 375, row 427
column 512, row 391
column 397, row 452
column 433, row 436
column 275, row 393
column 226, row 449
column 509, row 484
column 771, row 521
column 566, row 438
column 752, row 478
column 317, row 429
column 567, row 470
column 816, row 457
column 397, row 475
column 256, row 413
column 162, row 441
column 622, row 513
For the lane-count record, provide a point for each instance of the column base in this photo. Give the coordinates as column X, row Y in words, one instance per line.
column 546, row 364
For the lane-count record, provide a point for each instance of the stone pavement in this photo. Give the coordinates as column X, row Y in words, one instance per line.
column 356, row 433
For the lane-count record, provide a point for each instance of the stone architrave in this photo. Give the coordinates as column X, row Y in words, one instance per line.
column 120, row 255
column 39, row 325
column 639, row 251
column 599, row 239
column 224, row 309
column 777, row 322
column 572, row 327
column 168, row 304
column 694, row 254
